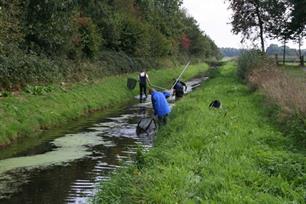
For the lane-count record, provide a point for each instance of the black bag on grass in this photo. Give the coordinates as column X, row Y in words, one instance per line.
column 215, row 104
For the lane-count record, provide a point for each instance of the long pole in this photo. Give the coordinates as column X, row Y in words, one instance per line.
column 187, row 65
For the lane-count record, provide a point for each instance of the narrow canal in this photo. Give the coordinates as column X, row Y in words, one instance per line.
column 69, row 164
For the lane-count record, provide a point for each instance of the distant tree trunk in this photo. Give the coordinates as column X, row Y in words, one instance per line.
column 276, row 59
column 261, row 28
column 300, row 51
column 263, row 49
column 284, row 52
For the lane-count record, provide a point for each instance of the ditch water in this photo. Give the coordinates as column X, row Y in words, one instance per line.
column 67, row 165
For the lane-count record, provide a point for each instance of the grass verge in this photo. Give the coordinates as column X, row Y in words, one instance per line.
column 231, row 155
column 26, row 114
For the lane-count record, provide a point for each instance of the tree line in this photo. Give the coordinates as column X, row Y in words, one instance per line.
column 275, row 19
column 273, row 49
column 231, row 52
column 39, row 38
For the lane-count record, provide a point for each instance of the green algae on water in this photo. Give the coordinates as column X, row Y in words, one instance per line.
column 69, row 148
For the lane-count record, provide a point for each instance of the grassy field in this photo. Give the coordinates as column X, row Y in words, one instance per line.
column 26, row 114
column 232, row 155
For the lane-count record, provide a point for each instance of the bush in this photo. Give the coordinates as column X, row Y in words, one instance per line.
column 90, row 38
column 134, row 38
column 17, row 70
column 248, row 61
column 38, row 90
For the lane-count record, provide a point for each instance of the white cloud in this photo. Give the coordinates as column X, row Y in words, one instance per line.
column 214, row 18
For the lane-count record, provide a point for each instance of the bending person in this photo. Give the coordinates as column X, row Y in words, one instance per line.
column 178, row 89
column 160, row 105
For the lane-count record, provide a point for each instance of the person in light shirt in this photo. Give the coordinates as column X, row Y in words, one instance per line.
column 143, row 81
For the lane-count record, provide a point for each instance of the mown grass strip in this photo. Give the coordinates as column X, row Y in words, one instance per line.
column 232, row 155
column 24, row 115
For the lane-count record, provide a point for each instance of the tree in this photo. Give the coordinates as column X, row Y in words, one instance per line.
column 288, row 19
column 48, row 26
column 278, row 23
column 298, row 16
column 11, row 31
column 251, row 18
column 297, row 26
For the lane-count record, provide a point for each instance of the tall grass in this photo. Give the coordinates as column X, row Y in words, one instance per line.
column 283, row 89
column 286, row 91
column 261, row 72
column 232, row 155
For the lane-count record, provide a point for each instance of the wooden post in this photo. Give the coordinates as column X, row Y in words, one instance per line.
column 284, row 52
column 276, row 59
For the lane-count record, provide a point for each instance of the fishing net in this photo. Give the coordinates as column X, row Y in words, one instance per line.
column 131, row 83
column 146, row 125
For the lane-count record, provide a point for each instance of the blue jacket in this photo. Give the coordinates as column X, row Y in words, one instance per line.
column 160, row 104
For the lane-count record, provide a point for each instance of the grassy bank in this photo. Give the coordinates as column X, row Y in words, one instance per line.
column 232, row 155
column 26, row 114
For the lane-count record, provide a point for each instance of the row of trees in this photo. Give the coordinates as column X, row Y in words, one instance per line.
column 231, row 52
column 36, row 34
column 276, row 19
column 272, row 49
column 78, row 28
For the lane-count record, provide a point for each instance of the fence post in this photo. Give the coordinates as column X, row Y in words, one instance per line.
column 276, row 59
column 302, row 61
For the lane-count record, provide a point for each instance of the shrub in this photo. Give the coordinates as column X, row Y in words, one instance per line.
column 248, row 61
column 90, row 38
column 18, row 69
column 134, row 38
column 38, row 90
column 5, row 94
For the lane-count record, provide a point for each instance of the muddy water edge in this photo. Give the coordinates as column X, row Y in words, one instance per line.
column 65, row 165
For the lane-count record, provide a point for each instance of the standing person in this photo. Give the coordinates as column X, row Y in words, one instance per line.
column 178, row 89
column 143, row 79
column 160, row 105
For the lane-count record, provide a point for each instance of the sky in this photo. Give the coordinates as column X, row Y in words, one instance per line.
column 214, row 18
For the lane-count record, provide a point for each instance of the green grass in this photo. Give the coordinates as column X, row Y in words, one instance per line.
column 26, row 114
column 232, row 155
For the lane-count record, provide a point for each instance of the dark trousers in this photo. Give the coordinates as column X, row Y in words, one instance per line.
column 179, row 93
column 162, row 120
column 143, row 90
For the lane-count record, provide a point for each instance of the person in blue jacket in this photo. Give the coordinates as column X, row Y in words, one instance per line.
column 160, row 105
